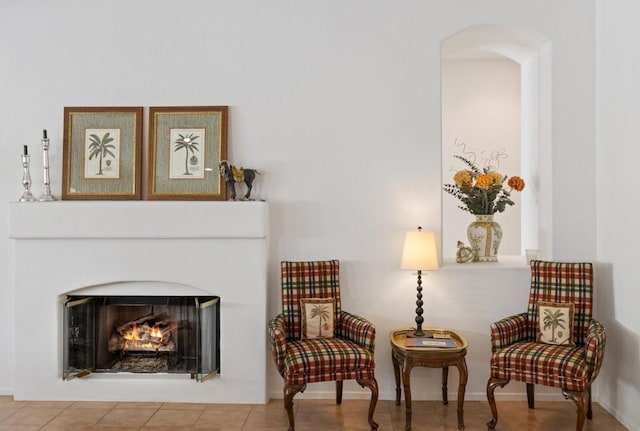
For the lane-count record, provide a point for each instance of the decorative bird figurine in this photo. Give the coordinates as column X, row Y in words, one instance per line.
column 464, row 254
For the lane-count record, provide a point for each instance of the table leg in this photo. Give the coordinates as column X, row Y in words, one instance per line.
column 445, row 379
column 463, row 372
column 396, row 372
column 406, row 376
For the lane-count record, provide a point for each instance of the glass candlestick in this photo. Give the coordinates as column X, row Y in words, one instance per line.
column 46, row 196
column 27, row 196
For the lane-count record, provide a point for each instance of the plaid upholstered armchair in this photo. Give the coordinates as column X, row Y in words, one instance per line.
column 555, row 343
column 314, row 340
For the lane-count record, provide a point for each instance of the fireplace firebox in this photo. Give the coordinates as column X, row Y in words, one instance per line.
column 141, row 334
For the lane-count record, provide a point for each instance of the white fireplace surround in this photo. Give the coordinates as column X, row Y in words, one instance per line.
column 140, row 248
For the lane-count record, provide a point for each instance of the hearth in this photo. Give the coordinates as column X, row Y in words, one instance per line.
column 141, row 334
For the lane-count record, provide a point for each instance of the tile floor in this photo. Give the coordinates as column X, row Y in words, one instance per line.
column 311, row 415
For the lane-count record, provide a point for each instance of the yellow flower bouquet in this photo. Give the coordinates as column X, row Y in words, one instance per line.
column 483, row 191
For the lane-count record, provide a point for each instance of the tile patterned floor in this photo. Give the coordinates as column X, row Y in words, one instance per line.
column 311, row 415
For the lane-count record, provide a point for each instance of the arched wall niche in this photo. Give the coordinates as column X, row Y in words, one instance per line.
column 497, row 52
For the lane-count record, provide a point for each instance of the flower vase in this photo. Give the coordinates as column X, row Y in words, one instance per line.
column 484, row 236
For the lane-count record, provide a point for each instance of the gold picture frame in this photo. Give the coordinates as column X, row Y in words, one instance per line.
column 102, row 153
column 186, row 146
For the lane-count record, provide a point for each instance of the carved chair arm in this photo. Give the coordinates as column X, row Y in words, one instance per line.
column 356, row 329
column 508, row 331
column 594, row 347
column 277, row 330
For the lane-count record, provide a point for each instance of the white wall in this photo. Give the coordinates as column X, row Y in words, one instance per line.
column 337, row 102
column 481, row 122
column 618, row 152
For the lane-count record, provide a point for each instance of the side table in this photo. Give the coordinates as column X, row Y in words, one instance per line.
column 405, row 358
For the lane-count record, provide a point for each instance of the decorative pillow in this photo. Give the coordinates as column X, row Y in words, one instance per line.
column 555, row 323
column 317, row 317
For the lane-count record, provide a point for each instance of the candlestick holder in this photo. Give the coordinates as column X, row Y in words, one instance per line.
column 27, row 196
column 46, row 196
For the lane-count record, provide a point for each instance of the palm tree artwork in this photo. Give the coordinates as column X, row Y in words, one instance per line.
column 554, row 319
column 321, row 311
column 187, row 142
column 101, row 147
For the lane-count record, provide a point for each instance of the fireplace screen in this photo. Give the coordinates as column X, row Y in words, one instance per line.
column 141, row 334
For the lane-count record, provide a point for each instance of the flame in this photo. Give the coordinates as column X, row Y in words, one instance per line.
column 133, row 334
column 156, row 332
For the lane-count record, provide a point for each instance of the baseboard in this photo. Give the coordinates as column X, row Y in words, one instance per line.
column 628, row 423
column 388, row 395
column 469, row 396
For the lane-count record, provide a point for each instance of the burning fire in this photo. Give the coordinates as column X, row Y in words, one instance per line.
column 144, row 338
column 134, row 334
column 149, row 333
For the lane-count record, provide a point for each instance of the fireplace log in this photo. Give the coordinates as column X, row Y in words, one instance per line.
column 149, row 333
column 117, row 344
column 152, row 333
column 156, row 318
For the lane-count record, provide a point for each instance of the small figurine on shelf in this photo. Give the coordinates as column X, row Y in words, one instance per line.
column 232, row 175
column 464, row 254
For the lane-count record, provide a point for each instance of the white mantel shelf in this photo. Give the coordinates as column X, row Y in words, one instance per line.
column 137, row 219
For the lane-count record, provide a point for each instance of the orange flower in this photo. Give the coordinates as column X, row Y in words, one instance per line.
column 484, row 181
column 498, row 178
column 516, row 183
column 463, row 179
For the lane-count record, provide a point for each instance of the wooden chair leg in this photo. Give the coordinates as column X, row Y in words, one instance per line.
column 492, row 384
column 289, row 392
column 372, row 384
column 589, row 411
column 338, row 392
column 531, row 395
column 580, row 399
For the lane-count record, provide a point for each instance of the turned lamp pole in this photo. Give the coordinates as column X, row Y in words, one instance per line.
column 419, row 254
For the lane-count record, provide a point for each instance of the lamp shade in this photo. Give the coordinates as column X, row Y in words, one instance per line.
column 419, row 251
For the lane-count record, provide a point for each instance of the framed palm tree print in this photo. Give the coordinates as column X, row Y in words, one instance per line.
column 186, row 146
column 102, row 153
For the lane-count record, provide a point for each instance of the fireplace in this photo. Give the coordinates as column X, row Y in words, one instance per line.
column 141, row 334
column 123, row 250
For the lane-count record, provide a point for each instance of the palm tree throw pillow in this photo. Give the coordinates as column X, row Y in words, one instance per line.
column 555, row 322
column 317, row 317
